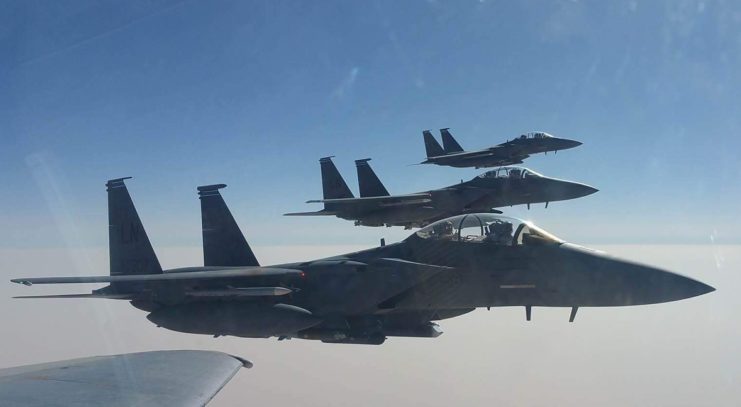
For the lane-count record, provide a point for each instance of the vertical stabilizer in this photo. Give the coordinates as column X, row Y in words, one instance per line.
column 223, row 243
column 431, row 145
column 130, row 249
column 368, row 181
column 449, row 143
column 333, row 185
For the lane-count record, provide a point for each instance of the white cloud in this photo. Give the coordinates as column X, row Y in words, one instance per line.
column 346, row 85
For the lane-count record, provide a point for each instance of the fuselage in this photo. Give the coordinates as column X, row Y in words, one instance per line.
column 494, row 189
column 511, row 152
column 443, row 270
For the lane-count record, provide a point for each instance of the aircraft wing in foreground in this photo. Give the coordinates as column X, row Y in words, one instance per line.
column 159, row 378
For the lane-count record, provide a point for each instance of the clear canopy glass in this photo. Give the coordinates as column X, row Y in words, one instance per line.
column 510, row 172
column 535, row 134
column 488, row 228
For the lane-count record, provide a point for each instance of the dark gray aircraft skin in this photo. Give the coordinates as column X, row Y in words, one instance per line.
column 494, row 189
column 444, row 270
column 512, row 152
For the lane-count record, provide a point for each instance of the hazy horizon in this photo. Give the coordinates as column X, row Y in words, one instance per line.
column 684, row 353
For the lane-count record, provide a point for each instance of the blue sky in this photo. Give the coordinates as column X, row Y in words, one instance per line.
column 179, row 94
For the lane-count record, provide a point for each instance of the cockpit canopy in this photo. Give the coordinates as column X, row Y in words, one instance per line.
column 487, row 228
column 535, row 135
column 510, row 172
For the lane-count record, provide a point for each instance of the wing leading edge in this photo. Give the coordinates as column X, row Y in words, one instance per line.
column 229, row 272
column 380, row 200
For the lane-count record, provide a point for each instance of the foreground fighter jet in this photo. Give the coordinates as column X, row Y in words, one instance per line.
column 494, row 189
column 511, row 152
column 146, row 379
column 446, row 269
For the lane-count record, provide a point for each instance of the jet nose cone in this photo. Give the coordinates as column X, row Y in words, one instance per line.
column 652, row 285
column 619, row 282
column 565, row 144
column 572, row 190
column 584, row 190
column 550, row 190
column 685, row 287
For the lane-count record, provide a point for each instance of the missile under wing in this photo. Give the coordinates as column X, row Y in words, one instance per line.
column 159, row 378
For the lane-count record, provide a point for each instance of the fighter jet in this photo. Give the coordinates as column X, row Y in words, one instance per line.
column 146, row 379
column 511, row 152
column 494, row 189
column 446, row 269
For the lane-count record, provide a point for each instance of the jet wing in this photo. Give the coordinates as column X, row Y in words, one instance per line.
column 379, row 280
column 317, row 213
column 226, row 272
column 381, row 201
column 422, row 269
column 160, row 378
column 507, row 153
column 208, row 293
column 106, row 296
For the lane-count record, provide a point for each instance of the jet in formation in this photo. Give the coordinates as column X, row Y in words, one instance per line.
column 512, row 152
column 146, row 379
column 498, row 188
column 446, row 269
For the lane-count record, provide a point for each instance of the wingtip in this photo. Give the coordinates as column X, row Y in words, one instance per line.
column 116, row 182
column 245, row 363
column 209, row 190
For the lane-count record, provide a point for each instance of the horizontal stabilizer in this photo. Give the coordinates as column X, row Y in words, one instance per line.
column 229, row 272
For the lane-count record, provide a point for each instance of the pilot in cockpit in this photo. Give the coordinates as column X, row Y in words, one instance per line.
column 499, row 233
column 444, row 230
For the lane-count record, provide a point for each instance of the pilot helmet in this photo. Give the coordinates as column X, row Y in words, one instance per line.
column 501, row 228
column 444, row 228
